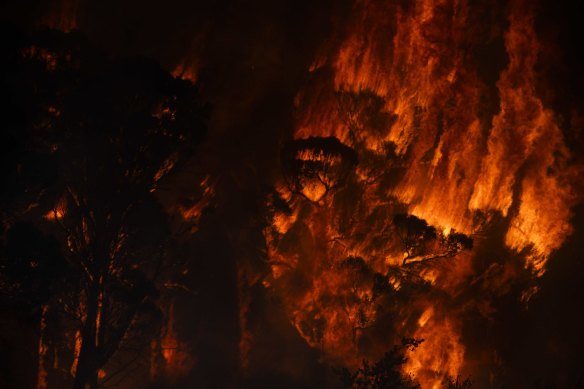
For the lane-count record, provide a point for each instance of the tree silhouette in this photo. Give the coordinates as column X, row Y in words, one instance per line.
column 115, row 129
column 385, row 373
column 32, row 267
column 314, row 166
column 422, row 243
column 116, row 153
column 364, row 112
column 359, row 297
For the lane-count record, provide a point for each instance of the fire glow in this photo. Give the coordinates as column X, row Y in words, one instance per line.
column 421, row 176
column 403, row 76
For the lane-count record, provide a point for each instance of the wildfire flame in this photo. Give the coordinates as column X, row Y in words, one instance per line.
column 439, row 101
column 405, row 81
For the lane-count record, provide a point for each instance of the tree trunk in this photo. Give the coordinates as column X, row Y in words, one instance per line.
column 86, row 373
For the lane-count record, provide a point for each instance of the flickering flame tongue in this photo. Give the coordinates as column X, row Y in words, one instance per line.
column 526, row 153
column 459, row 160
column 406, row 88
column 441, row 352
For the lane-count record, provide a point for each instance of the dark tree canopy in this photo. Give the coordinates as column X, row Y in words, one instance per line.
column 315, row 165
column 364, row 112
column 423, row 243
column 92, row 140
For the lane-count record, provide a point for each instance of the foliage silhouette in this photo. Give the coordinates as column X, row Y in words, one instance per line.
column 385, row 373
column 109, row 132
column 314, row 166
column 422, row 243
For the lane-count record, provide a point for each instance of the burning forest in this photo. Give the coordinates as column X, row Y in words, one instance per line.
column 258, row 194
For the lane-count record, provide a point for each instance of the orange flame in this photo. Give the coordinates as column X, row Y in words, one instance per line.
column 404, row 77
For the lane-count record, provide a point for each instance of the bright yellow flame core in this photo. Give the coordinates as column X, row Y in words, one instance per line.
column 461, row 165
